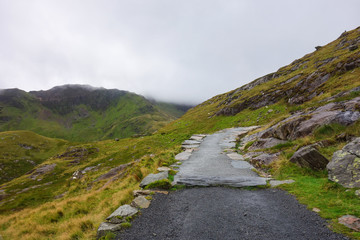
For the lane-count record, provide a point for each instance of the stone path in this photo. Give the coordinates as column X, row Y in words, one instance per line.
column 215, row 164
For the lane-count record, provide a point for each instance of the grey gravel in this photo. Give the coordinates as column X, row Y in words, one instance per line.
column 226, row 213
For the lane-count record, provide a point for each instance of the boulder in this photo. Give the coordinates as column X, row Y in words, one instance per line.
column 140, row 202
column 309, row 157
column 350, row 222
column 106, row 227
column 153, row 178
column 353, row 47
column 344, row 167
column 119, row 215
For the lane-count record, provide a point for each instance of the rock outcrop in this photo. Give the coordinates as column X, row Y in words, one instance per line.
column 309, row 157
column 302, row 124
column 344, row 167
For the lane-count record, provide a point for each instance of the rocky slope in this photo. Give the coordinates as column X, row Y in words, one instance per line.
column 83, row 113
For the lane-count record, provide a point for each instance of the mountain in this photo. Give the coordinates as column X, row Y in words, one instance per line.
column 312, row 103
column 84, row 113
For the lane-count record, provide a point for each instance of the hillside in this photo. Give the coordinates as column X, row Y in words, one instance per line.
column 83, row 113
column 314, row 101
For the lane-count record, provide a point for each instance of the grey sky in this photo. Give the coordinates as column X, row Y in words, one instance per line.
column 173, row 50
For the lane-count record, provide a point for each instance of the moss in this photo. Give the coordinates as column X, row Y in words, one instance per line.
column 161, row 184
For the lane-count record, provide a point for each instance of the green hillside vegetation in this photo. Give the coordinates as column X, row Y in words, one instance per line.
column 21, row 151
column 81, row 113
column 42, row 209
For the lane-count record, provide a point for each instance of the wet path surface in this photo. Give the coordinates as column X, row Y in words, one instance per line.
column 225, row 213
column 213, row 163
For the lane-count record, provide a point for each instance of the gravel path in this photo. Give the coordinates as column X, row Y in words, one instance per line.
column 225, row 213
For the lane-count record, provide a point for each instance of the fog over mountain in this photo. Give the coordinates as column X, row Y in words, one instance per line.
column 178, row 51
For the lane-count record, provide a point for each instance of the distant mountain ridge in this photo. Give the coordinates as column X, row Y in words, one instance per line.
column 82, row 112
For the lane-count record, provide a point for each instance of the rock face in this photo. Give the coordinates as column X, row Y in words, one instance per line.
column 344, row 167
column 302, row 124
column 42, row 170
column 309, row 157
column 153, row 178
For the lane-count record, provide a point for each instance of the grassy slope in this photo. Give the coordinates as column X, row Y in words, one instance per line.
column 130, row 115
column 86, row 203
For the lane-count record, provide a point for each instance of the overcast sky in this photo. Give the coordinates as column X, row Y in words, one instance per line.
column 174, row 50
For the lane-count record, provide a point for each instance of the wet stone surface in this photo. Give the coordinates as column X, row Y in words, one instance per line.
column 211, row 166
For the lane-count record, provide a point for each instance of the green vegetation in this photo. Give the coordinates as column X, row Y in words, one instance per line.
column 316, row 191
column 161, row 184
column 41, row 208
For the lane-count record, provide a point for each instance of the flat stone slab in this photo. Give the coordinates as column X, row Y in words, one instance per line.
column 274, row 183
column 235, row 156
column 222, row 181
column 153, row 178
column 121, row 213
column 140, row 202
column 191, row 142
column 183, row 156
column 163, row 169
column 190, row 146
column 241, row 164
column 107, row 227
column 197, row 137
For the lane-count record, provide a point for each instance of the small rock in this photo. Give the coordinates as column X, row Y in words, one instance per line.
column 153, row 178
column 317, row 210
column 350, row 222
column 140, row 202
column 274, row 183
column 77, row 175
column 357, row 193
column 318, row 48
column 105, row 227
column 163, row 169
column 119, row 215
column 116, row 139
column 270, row 110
